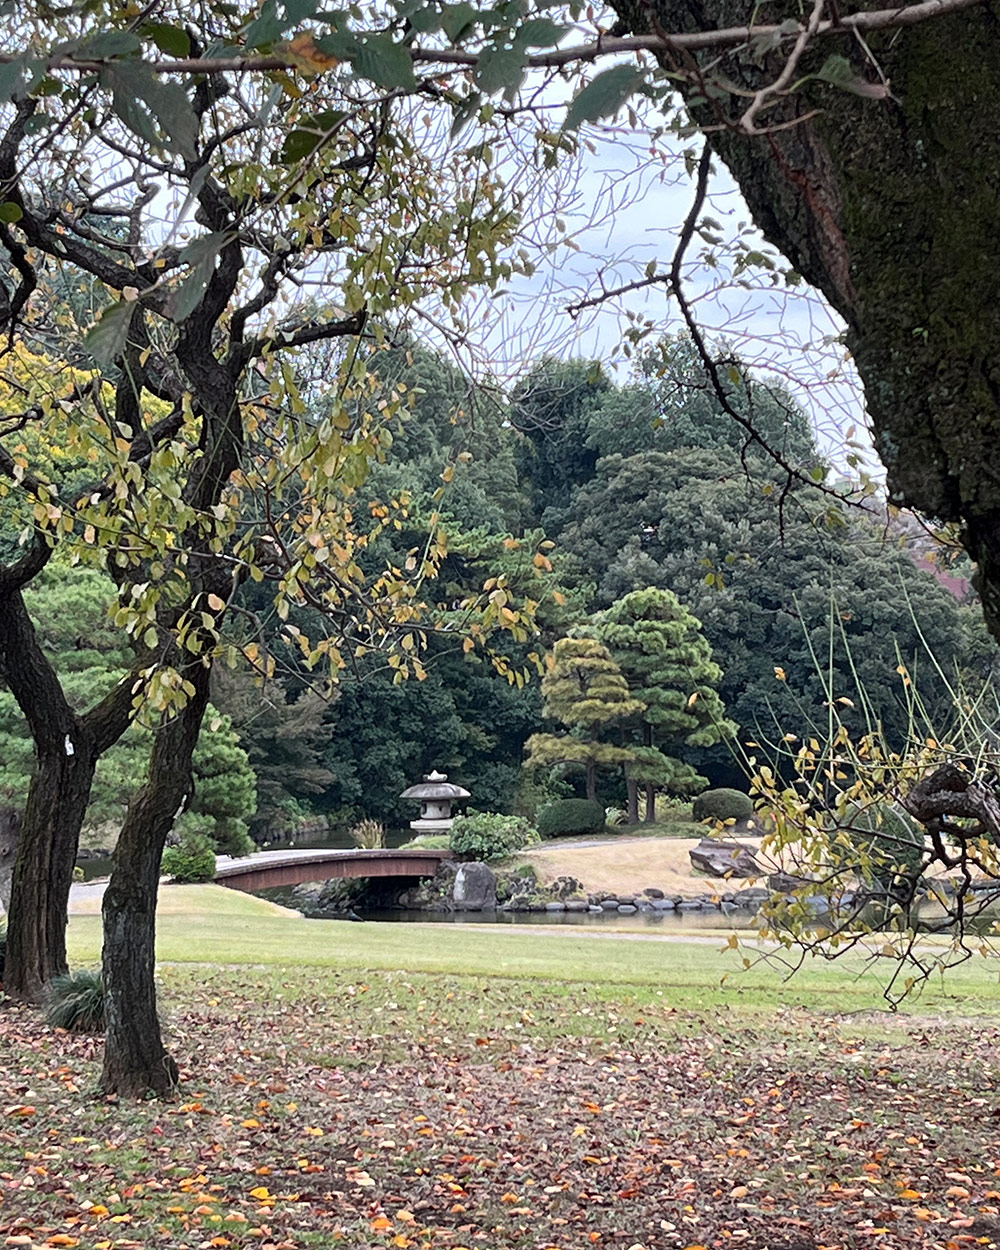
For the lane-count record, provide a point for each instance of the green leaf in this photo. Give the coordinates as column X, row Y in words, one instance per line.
column 305, row 139
column 540, row 32
column 134, row 84
column 385, row 63
column 202, row 255
column 264, row 29
column 173, row 40
column 12, row 76
column 603, row 96
column 108, row 44
column 500, row 69
column 10, row 212
column 456, row 19
column 300, row 10
column 838, row 71
column 107, row 339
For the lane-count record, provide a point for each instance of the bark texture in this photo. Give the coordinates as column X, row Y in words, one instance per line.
column 890, row 208
column 67, row 747
column 10, row 836
column 53, row 815
column 135, row 1060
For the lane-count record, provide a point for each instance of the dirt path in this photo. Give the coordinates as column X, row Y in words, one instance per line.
column 628, row 865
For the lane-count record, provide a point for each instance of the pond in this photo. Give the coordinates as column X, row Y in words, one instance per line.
column 687, row 922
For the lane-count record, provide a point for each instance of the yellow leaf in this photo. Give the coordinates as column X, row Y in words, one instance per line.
column 309, row 57
column 215, row 603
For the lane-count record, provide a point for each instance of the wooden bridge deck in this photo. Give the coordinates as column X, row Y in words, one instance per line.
column 265, row 869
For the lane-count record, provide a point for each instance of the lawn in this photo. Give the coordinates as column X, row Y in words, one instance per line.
column 441, row 1087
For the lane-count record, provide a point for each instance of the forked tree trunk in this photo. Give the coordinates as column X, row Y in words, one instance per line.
column 136, row 1062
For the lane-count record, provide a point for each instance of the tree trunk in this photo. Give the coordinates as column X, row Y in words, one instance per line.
column 632, row 789
column 135, row 1060
column 53, row 816
column 592, row 781
column 67, row 748
column 650, row 803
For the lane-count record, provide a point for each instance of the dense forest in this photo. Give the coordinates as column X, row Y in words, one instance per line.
column 581, row 492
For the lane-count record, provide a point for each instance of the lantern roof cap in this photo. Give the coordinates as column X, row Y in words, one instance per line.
column 435, row 785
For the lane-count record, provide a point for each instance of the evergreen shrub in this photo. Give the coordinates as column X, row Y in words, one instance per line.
column 571, row 816
column 489, row 835
column 723, row 805
column 191, row 860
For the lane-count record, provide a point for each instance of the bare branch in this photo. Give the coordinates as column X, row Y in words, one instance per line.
column 604, row 45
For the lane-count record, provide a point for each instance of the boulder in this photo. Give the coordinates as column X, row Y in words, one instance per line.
column 752, row 899
column 475, row 888
column 786, row 883
column 724, row 859
column 10, row 835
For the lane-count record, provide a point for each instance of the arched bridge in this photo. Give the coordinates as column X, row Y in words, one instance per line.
column 273, row 868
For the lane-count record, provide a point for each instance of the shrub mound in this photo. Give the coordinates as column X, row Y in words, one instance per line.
column 722, row 805
column 75, row 1002
column 191, row 860
column 489, row 835
column 571, row 816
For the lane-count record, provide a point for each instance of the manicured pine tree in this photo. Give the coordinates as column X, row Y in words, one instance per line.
column 584, row 689
column 667, row 663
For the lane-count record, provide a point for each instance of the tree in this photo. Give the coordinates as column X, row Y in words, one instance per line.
column 667, row 663
column 551, row 406
column 782, row 587
column 284, row 738
column 583, row 689
column 671, row 405
column 859, row 188
column 225, row 788
column 190, row 408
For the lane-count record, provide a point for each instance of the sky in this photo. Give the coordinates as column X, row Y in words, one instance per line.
column 623, row 203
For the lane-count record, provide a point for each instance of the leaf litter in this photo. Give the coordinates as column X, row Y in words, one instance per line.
column 435, row 1113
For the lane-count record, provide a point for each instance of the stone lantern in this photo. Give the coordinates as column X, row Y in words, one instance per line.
column 436, row 795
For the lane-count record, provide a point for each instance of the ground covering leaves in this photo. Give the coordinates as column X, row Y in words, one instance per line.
column 426, row 1111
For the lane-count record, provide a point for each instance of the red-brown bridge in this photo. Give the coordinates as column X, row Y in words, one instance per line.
column 273, row 868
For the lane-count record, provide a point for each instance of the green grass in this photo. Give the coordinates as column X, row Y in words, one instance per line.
column 428, row 1087
column 211, row 925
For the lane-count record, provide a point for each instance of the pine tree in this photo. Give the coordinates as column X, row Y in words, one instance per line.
column 667, row 663
column 584, row 689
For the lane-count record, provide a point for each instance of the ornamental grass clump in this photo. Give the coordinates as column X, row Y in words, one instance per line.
column 75, row 1001
column 368, row 834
